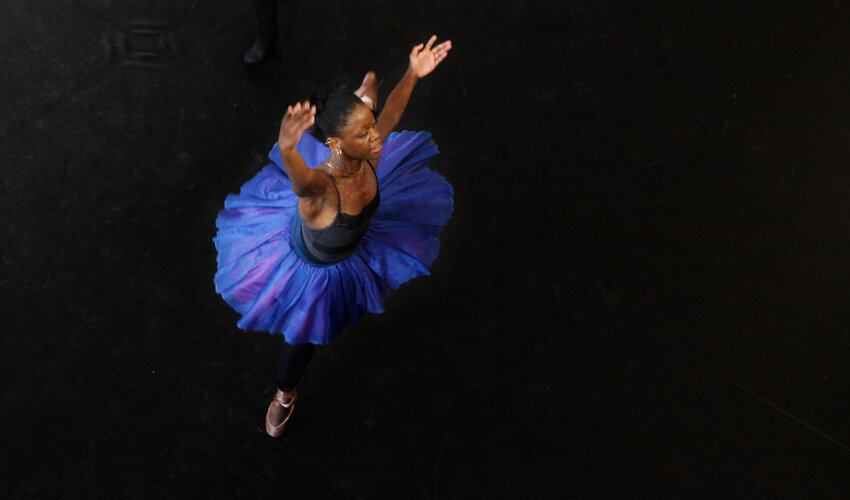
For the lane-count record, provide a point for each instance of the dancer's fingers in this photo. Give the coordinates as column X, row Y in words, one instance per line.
column 304, row 117
column 431, row 42
column 443, row 47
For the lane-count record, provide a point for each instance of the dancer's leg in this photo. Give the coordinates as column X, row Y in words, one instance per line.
column 293, row 361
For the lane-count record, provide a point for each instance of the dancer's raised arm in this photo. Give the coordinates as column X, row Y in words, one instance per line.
column 306, row 182
column 423, row 59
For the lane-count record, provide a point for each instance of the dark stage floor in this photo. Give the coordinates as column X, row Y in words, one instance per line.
column 642, row 292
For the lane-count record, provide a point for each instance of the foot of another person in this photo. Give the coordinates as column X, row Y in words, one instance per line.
column 258, row 52
column 368, row 91
column 279, row 411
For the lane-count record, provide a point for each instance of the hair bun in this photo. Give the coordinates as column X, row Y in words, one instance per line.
column 332, row 110
column 319, row 99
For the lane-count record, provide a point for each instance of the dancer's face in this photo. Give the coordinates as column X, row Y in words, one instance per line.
column 359, row 137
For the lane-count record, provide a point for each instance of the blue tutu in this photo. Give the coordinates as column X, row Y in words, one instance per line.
column 263, row 279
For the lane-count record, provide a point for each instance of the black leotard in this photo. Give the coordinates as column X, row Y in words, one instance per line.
column 338, row 240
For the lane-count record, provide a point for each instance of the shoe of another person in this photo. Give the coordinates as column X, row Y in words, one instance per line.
column 258, row 52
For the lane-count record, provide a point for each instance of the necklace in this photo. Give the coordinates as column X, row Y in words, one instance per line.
column 341, row 171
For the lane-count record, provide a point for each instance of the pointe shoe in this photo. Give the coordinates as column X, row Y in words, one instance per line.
column 258, row 52
column 276, row 430
column 368, row 91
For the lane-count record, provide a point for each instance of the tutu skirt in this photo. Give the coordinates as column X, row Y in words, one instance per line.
column 274, row 290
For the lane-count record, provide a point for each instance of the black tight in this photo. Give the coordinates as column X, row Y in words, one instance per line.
column 266, row 13
column 293, row 361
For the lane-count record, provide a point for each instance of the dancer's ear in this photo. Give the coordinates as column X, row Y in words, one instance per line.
column 334, row 142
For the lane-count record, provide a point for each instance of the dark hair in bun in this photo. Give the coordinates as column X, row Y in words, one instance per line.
column 332, row 110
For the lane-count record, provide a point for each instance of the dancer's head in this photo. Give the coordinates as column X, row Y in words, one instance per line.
column 343, row 122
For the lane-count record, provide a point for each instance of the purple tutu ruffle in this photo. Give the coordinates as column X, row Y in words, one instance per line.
column 261, row 277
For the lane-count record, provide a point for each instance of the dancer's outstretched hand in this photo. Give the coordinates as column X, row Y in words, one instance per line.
column 424, row 58
column 297, row 119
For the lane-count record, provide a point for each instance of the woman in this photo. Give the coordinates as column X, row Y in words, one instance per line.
column 344, row 214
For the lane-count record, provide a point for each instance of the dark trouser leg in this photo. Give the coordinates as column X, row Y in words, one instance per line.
column 293, row 361
column 266, row 13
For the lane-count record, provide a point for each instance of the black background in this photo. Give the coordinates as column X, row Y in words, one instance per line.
column 642, row 290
